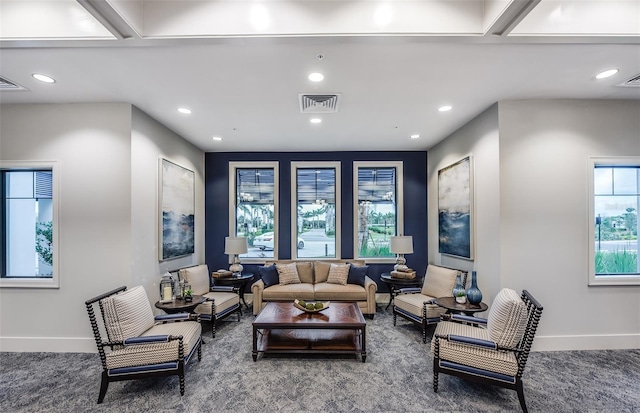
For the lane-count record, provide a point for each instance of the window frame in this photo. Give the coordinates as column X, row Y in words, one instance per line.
column 602, row 280
column 399, row 165
column 337, row 165
column 39, row 282
column 233, row 166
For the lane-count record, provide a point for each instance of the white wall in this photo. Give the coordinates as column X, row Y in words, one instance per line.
column 479, row 138
column 150, row 141
column 544, row 148
column 108, row 161
column 91, row 143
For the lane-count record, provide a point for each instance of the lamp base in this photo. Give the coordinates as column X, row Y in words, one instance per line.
column 236, row 268
column 401, row 268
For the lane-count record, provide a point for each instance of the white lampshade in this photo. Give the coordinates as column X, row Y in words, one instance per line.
column 235, row 245
column 402, row 244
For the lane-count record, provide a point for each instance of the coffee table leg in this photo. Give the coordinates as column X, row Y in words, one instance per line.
column 363, row 354
column 255, row 344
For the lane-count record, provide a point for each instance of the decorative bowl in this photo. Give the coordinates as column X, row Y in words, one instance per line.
column 296, row 304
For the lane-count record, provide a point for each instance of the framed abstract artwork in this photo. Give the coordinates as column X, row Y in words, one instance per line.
column 455, row 207
column 177, row 210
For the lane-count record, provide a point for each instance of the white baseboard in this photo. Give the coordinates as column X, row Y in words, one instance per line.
column 586, row 342
column 48, row 344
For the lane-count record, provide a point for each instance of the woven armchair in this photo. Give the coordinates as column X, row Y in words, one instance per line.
column 492, row 351
column 138, row 344
column 415, row 304
column 220, row 301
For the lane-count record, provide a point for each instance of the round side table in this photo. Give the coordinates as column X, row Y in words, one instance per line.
column 453, row 306
column 396, row 284
column 180, row 306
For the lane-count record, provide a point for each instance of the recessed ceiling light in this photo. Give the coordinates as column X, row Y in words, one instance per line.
column 315, row 120
column 415, row 136
column 216, row 138
column 186, row 111
column 316, row 77
column 607, row 73
column 43, row 78
column 445, row 108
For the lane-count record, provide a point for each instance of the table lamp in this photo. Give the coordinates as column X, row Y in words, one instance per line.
column 235, row 246
column 400, row 245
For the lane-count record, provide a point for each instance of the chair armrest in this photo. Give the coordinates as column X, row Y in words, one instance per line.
column 224, row 289
column 174, row 317
column 409, row 290
column 148, row 339
column 473, row 341
column 467, row 319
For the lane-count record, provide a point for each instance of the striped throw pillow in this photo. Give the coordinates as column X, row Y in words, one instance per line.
column 128, row 314
column 507, row 319
column 338, row 274
column 288, row 273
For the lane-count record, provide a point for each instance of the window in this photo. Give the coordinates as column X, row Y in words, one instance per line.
column 613, row 231
column 378, row 209
column 254, row 213
column 316, row 198
column 28, row 211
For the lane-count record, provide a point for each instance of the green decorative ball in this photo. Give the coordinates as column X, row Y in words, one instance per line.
column 310, row 306
column 302, row 303
column 319, row 305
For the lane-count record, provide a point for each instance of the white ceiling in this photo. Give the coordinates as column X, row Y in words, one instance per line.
column 240, row 65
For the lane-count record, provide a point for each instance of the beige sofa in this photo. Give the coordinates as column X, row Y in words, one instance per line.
column 314, row 286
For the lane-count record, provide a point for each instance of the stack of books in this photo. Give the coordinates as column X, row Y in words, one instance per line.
column 408, row 274
column 221, row 274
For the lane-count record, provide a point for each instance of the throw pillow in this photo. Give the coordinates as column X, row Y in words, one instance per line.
column 128, row 314
column 269, row 275
column 357, row 274
column 288, row 273
column 322, row 271
column 507, row 319
column 338, row 274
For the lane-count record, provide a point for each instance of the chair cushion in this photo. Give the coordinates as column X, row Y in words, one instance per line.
column 288, row 292
column 269, row 275
column 357, row 274
column 339, row 292
column 487, row 359
column 145, row 354
column 322, row 271
column 198, row 277
column 127, row 314
column 223, row 301
column 288, row 273
column 439, row 281
column 412, row 303
column 338, row 274
column 507, row 318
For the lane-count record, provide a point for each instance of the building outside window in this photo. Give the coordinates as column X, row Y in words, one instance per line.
column 615, row 202
column 378, row 208
column 316, row 202
column 28, row 226
column 253, row 186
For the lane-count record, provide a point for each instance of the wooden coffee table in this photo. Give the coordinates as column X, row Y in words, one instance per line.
column 282, row 328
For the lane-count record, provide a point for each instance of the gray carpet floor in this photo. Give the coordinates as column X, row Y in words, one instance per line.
column 397, row 377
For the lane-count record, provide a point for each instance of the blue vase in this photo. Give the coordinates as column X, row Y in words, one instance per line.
column 474, row 295
column 458, row 287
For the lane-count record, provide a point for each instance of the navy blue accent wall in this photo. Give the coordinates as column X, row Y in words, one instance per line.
column 217, row 203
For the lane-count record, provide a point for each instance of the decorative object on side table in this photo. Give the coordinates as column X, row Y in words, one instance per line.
column 400, row 245
column 221, row 273
column 166, row 288
column 461, row 298
column 458, row 288
column 474, row 295
column 409, row 274
column 235, row 246
column 188, row 295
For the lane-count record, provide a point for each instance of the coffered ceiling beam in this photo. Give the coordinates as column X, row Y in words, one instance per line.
column 110, row 19
column 513, row 14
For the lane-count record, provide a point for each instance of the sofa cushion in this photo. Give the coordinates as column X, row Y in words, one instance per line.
column 337, row 292
column 305, row 271
column 197, row 277
column 338, row 274
column 127, row 314
column 288, row 292
column 507, row 318
column 269, row 275
column 357, row 274
column 439, row 281
column 322, row 271
column 288, row 273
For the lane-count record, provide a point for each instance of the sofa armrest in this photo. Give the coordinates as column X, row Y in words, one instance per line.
column 370, row 287
column 256, row 289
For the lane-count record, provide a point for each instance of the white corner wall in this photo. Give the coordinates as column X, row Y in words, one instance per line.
column 544, row 148
column 478, row 138
column 91, row 143
column 151, row 141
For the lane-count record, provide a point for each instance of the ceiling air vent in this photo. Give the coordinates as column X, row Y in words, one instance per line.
column 633, row 82
column 6, row 84
column 325, row 103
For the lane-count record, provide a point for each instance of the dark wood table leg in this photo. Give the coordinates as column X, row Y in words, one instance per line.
column 392, row 295
column 243, row 287
column 363, row 354
column 255, row 344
